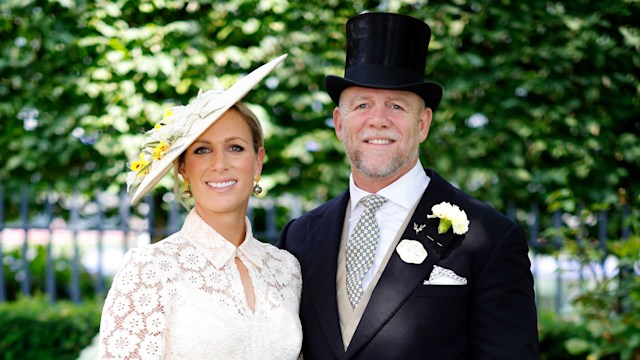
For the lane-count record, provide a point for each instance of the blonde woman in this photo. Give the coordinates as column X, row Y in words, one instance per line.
column 211, row 290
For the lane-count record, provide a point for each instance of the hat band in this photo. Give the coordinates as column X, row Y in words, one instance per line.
column 381, row 75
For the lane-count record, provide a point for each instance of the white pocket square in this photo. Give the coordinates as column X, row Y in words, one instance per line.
column 442, row 276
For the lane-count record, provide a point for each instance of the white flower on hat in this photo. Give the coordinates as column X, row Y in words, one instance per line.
column 450, row 215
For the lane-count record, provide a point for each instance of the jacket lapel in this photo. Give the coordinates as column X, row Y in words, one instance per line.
column 321, row 258
column 400, row 279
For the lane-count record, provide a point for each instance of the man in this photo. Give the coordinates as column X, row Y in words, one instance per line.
column 445, row 276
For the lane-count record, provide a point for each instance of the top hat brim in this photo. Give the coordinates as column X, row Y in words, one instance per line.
column 430, row 92
column 201, row 114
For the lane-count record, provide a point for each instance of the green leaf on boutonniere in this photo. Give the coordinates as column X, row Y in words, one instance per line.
column 444, row 225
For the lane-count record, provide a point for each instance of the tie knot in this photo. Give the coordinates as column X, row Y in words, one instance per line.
column 373, row 202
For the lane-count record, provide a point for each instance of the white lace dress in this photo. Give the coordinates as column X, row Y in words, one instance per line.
column 182, row 298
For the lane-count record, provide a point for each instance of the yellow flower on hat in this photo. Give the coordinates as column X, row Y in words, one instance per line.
column 160, row 124
column 140, row 163
column 157, row 143
column 450, row 215
column 136, row 165
column 160, row 150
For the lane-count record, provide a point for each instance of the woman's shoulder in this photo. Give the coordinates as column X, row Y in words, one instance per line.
column 161, row 251
column 283, row 267
column 278, row 254
column 151, row 263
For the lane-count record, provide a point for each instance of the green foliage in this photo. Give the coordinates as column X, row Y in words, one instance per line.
column 33, row 328
column 605, row 323
column 610, row 309
column 539, row 96
column 555, row 332
column 555, row 102
column 37, row 255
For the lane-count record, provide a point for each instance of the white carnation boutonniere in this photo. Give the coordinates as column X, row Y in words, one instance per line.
column 450, row 216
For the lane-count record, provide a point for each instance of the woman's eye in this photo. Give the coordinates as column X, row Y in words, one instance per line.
column 201, row 150
column 236, row 148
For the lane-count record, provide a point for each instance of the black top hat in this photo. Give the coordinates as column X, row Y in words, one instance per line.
column 386, row 51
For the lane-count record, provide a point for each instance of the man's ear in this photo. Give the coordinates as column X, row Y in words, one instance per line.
column 425, row 123
column 337, row 123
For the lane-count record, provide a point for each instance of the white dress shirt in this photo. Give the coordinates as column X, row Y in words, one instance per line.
column 401, row 195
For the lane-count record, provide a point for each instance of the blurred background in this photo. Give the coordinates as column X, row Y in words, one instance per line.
column 540, row 118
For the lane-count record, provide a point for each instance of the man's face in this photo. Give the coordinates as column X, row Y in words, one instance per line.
column 381, row 131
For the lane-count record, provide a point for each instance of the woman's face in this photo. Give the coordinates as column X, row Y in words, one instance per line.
column 221, row 165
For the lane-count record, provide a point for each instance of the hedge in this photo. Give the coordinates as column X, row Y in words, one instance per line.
column 33, row 328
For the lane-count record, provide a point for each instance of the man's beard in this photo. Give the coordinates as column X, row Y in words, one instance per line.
column 374, row 168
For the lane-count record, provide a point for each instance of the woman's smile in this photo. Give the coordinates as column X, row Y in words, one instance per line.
column 222, row 184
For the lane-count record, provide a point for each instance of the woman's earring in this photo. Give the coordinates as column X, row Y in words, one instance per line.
column 257, row 189
column 187, row 194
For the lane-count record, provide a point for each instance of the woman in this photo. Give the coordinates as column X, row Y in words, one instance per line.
column 211, row 290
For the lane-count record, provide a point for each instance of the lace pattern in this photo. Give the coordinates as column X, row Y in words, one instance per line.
column 183, row 298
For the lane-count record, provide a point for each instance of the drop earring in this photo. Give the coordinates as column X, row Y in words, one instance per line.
column 187, row 194
column 257, row 189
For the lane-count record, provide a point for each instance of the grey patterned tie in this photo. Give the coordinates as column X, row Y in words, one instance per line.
column 361, row 247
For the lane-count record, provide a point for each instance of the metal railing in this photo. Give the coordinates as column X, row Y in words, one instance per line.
column 107, row 224
column 75, row 223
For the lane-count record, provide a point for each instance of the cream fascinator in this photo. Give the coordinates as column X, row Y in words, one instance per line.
column 181, row 126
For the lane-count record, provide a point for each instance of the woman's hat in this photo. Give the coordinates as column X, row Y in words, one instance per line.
column 386, row 51
column 181, row 126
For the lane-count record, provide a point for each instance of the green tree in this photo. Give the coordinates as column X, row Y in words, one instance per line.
column 540, row 97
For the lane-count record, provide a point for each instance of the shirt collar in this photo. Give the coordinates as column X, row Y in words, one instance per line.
column 396, row 192
column 218, row 250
